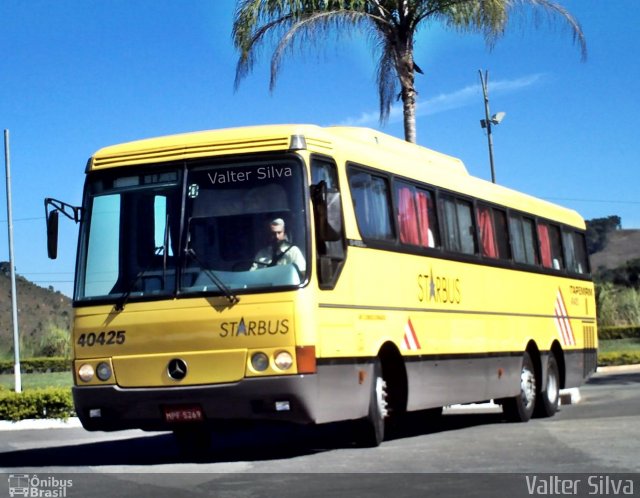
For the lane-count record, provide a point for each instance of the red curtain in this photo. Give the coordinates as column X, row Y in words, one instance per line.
column 545, row 245
column 487, row 232
column 413, row 216
column 407, row 217
column 422, row 199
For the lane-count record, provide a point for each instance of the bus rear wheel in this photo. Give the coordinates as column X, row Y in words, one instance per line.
column 371, row 428
column 520, row 408
column 549, row 399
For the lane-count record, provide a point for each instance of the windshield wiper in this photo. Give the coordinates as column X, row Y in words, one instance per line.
column 124, row 298
column 231, row 297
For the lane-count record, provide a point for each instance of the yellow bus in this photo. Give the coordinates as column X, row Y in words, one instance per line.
column 307, row 274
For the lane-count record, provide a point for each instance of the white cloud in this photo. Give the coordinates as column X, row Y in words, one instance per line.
column 447, row 101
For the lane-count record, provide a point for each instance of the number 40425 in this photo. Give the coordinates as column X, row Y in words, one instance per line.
column 110, row 338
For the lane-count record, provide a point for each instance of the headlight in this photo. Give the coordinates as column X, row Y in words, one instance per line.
column 283, row 360
column 260, row 362
column 103, row 371
column 85, row 372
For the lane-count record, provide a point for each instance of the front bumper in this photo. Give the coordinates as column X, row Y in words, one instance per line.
column 111, row 408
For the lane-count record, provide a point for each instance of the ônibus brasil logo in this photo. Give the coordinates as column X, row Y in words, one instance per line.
column 41, row 487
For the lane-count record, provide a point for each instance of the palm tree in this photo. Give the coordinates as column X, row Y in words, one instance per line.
column 392, row 24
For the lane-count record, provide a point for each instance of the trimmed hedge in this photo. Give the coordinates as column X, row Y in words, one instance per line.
column 37, row 365
column 50, row 402
column 619, row 332
column 616, row 359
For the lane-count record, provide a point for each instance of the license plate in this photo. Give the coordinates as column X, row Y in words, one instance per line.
column 179, row 414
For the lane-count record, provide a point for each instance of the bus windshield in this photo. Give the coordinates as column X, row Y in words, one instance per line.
column 214, row 228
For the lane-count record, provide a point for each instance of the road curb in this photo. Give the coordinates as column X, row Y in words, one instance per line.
column 41, row 423
column 570, row 396
column 618, row 369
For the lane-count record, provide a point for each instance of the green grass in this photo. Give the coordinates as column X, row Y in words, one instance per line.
column 619, row 352
column 38, row 380
column 619, row 345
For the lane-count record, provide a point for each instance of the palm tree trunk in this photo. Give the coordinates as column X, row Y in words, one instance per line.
column 406, row 74
column 409, row 111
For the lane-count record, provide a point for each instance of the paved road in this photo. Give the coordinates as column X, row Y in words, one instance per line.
column 598, row 438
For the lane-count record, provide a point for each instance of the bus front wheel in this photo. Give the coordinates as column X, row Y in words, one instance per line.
column 371, row 429
column 520, row 408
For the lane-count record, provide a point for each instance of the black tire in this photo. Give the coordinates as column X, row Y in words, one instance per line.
column 520, row 408
column 371, row 428
column 548, row 400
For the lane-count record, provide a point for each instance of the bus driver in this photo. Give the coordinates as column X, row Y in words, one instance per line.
column 280, row 251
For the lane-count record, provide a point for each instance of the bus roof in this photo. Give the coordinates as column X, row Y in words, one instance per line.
column 358, row 145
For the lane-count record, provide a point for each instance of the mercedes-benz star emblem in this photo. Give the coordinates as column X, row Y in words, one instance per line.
column 177, row 369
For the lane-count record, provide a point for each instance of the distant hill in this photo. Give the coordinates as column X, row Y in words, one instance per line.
column 621, row 246
column 39, row 311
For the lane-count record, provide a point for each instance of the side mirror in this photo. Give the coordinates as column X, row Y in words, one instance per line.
column 52, row 210
column 327, row 208
column 333, row 230
column 52, row 234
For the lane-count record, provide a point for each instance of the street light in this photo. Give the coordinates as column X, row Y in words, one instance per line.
column 486, row 123
column 496, row 119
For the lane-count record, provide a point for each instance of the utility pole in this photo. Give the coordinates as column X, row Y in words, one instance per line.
column 14, row 299
column 487, row 121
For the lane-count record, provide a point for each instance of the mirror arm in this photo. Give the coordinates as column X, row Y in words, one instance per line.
column 72, row 212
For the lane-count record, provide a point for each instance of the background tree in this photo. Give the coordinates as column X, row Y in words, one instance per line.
column 391, row 24
column 617, row 305
column 56, row 342
column 598, row 230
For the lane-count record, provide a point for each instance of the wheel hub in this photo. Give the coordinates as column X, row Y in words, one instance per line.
column 528, row 387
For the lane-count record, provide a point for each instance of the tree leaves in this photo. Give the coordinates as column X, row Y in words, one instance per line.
column 391, row 24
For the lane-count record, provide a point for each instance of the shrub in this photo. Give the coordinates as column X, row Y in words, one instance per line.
column 617, row 358
column 37, row 365
column 620, row 332
column 55, row 343
column 50, row 402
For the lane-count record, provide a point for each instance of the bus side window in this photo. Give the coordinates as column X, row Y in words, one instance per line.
column 370, row 194
column 502, row 233
column 523, row 239
column 417, row 223
column 492, row 227
column 575, row 251
column 458, row 225
column 550, row 246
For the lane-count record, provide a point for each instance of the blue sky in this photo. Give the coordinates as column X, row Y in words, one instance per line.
column 77, row 75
